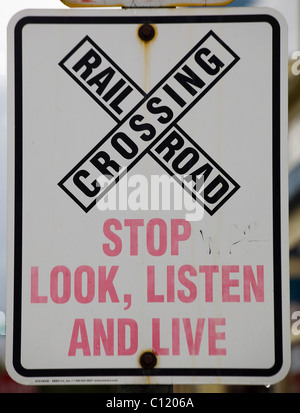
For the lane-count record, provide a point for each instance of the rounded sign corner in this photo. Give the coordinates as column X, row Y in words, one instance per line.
column 275, row 18
column 280, row 373
column 19, row 19
column 15, row 373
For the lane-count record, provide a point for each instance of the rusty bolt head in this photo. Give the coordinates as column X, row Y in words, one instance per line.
column 148, row 360
column 146, row 32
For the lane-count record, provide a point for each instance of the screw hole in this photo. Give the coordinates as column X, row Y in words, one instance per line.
column 148, row 360
column 146, row 32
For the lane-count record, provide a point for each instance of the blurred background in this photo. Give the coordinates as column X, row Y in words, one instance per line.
column 290, row 9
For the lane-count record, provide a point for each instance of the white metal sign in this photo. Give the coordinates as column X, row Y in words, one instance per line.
column 147, row 191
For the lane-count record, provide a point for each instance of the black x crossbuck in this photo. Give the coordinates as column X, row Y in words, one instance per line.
column 147, row 123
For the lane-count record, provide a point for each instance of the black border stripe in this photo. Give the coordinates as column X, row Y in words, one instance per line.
column 17, row 305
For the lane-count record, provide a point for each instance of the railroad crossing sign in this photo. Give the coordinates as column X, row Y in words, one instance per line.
column 148, row 218
column 162, row 138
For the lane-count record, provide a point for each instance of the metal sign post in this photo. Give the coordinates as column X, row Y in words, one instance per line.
column 147, row 197
column 144, row 3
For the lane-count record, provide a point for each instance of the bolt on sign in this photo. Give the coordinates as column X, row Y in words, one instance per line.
column 147, row 234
